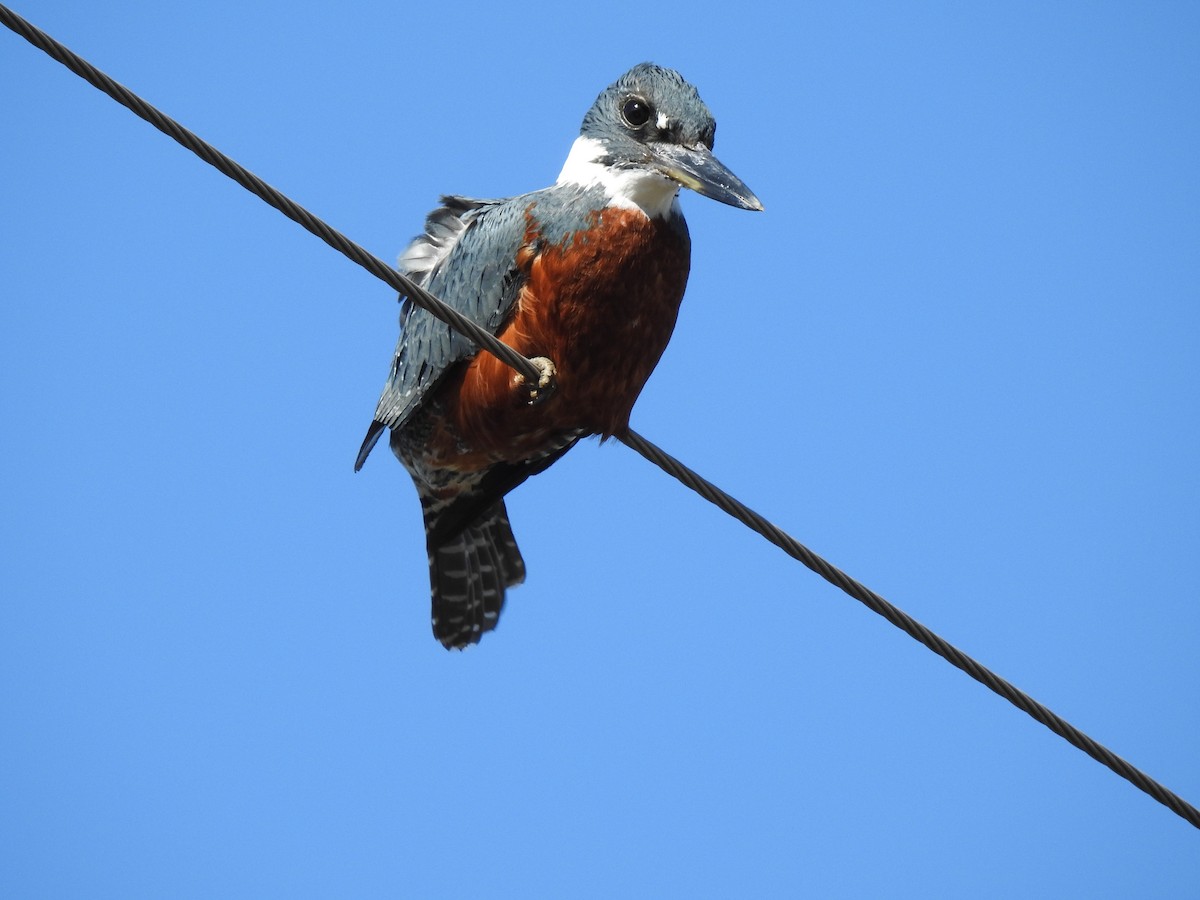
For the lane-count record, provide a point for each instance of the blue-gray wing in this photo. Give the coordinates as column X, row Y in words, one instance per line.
column 467, row 258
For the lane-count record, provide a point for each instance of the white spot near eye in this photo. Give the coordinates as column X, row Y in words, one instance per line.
column 663, row 122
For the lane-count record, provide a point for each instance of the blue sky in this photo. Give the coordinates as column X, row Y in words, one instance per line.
column 956, row 355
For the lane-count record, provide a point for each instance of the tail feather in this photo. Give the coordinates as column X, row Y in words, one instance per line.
column 468, row 575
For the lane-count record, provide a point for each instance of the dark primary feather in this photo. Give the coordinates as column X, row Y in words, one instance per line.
column 456, row 259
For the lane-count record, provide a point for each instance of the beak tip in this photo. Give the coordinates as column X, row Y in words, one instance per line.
column 697, row 169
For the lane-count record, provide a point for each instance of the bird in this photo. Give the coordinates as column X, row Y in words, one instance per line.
column 585, row 278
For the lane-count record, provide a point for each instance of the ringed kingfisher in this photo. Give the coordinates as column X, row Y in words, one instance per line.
column 585, row 278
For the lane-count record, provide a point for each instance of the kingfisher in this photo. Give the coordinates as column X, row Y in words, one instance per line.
column 584, row 278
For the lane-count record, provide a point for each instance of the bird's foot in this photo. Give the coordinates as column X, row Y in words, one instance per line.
column 532, row 394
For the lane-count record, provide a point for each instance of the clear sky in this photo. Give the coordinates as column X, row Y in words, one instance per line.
column 957, row 355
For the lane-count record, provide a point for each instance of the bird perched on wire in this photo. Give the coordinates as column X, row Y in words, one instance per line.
column 585, row 278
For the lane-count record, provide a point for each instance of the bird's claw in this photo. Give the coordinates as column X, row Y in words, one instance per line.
column 537, row 393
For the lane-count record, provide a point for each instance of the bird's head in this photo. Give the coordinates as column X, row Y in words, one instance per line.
column 646, row 135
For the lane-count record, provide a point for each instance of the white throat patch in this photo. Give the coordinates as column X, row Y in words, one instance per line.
column 650, row 192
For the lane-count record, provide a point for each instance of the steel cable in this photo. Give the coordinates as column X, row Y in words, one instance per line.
column 264, row 191
column 632, row 439
column 909, row 625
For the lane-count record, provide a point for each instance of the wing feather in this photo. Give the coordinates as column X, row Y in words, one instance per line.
column 467, row 258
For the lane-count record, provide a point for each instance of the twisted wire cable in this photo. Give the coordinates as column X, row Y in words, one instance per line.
column 630, row 438
column 270, row 195
column 910, row 626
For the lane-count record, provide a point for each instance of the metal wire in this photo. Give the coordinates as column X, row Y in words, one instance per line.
column 261, row 189
column 909, row 625
column 632, row 439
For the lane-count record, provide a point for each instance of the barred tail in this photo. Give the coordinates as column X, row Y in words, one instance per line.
column 469, row 572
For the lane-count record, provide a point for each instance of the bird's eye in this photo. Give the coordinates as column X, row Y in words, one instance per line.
column 636, row 112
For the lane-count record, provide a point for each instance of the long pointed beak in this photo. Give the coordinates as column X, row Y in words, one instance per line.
column 696, row 168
